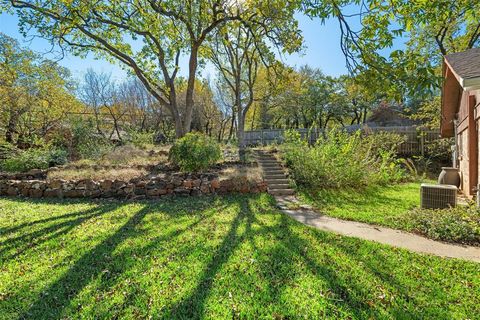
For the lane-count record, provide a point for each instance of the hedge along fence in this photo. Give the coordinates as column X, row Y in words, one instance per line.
column 175, row 184
column 416, row 138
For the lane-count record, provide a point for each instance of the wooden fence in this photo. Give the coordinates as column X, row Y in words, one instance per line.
column 416, row 138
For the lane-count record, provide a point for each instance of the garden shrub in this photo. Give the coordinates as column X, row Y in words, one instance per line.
column 7, row 150
column 195, row 152
column 142, row 140
column 340, row 160
column 460, row 224
column 124, row 154
column 382, row 141
column 440, row 150
column 34, row 159
column 57, row 157
column 87, row 142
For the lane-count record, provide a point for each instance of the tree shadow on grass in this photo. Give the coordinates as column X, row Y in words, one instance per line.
column 346, row 294
column 30, row 240
column 6, row 231
column 282, row 259
column 291, row 248
column 383, row 268
column 291, row 244
column 193, row 306
column 58, row 296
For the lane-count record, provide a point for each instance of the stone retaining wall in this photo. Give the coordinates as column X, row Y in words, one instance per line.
column 175, row 184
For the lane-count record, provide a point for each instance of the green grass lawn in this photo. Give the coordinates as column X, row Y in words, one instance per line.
column 211, row 257
column 376, row 205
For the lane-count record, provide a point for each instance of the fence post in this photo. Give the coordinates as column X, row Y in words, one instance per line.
column 422, row 142
column 263, row 142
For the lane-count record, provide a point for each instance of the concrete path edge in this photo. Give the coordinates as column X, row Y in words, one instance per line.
column 393, row 237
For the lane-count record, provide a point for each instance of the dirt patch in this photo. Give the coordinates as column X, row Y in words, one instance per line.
column 100, row 174
column 236, row 171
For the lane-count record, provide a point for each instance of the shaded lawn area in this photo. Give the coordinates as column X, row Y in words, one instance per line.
column 376, row 205
column 211, row 257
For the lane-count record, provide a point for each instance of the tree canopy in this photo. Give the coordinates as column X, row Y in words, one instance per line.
column 424, row 31
column 35, row 94
column 149, row 38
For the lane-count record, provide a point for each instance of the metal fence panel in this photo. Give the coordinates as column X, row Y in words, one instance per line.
column 416, row 138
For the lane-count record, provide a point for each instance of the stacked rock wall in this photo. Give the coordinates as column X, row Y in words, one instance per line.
column 174, row 184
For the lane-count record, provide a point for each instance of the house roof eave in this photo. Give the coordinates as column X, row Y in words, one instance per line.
column 471, row 84
column 450, row 69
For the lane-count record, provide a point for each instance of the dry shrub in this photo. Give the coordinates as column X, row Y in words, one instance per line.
column 132, row 155
column 233, row 172
column 110, row 174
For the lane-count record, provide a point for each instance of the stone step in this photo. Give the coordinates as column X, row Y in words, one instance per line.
column 271, row 168
column 273, row 172
column 285, row 192
column 263, row 154
column 276, row 177
column 276, row 168
column 282, row 186
column 277, row 173
column 270, row 164
column 281, row 180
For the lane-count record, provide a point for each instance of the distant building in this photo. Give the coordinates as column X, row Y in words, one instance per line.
column 387, row 115
column 461, row 112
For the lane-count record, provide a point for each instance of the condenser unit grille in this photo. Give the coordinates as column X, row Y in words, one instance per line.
column 434, row 196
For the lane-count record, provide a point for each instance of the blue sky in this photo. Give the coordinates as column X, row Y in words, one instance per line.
column 322, row 49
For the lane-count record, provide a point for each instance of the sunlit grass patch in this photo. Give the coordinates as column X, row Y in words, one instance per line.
column 211, row 257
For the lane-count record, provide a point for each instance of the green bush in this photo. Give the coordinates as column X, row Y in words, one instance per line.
column 460, row 224
column 195, row 152
column 7, row 150
column 381, row 141
column 87, row 142
column 57, row 157
column 34, row 159
column 142, row 140
column 340, row 160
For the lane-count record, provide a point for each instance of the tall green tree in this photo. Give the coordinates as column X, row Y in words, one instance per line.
column 35, row 94
column 424, row 31
column 235, row 53
column 148, row 37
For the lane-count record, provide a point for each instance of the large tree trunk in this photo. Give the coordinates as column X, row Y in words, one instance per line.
column 179, row 132
column 232, row 126
column 173, row 107
column 241, row 137
column 240, row 120
column 365, row 113
column 189, row 101
column 11, row 127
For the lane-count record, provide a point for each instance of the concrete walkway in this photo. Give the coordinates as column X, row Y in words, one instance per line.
column 392, row 237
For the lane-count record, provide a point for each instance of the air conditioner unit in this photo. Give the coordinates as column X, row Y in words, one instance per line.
column 438, row 196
